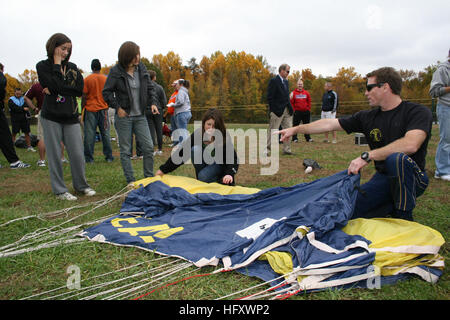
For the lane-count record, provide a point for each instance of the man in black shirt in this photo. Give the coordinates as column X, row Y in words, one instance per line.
column 397, row 133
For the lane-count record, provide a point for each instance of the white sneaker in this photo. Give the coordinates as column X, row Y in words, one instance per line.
column 89, row 192
column 444, row 177
column 31, row 149
column 334, row 141
column 41, row 163
column 158, row 153
column 66, row 196
column 19, row 165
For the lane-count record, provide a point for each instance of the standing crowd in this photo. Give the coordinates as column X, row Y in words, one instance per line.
column 397, row 131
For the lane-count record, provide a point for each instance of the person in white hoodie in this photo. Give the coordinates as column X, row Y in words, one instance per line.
column 440, row 88
column 182, row 113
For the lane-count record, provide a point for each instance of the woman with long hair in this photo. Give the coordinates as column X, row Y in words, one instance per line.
column 211, row 152
column 62, row 83
column 128, row 90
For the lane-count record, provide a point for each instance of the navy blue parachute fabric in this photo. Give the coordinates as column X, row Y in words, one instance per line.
column 209, row 228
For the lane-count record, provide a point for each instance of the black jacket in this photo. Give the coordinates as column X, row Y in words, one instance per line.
column 228, row 167
column 61, row 105
column 160, row 97
column 278, row 97
column 117, row 91
column 330, row 101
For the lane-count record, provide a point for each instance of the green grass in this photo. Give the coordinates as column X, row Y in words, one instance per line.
column 27, row 192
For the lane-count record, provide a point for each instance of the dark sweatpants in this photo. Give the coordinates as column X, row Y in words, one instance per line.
column 6, row 144
column 301, row 117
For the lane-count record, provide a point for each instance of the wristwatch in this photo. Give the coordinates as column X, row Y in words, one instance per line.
column 365, row 156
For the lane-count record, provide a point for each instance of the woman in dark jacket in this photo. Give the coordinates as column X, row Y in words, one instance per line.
column 210, row 150
column 62, row 83
column 128, row 90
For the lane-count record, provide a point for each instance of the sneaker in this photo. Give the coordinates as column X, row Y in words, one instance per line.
column 89, row 192
column 310, row 140
column 158, row 153
column 31, row 149
column 41, row 163
column 295, row 140
column 334, row 141
column 19, row 165
column 66, row 196
column 64, row 160
column 444, row 177
column 326, row 141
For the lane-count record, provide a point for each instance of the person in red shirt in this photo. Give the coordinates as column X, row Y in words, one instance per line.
column 37, row 92
column 301, row 102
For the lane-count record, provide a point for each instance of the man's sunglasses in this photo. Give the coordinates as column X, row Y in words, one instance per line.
column 373, row 85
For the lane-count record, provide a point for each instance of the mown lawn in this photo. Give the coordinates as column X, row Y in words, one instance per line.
column 27, row 192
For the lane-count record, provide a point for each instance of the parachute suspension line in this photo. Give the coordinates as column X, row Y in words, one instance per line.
column 170, row 274
column 173, row 283
column 42, row 234
column 98, row 203
column 20, row 219
column 96, row 277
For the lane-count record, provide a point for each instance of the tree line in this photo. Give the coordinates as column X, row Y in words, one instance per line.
column 237, row 81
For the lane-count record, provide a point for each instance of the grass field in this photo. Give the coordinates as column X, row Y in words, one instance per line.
column 27, row 192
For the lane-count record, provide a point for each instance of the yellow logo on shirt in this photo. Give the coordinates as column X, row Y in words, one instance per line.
column 376, row 135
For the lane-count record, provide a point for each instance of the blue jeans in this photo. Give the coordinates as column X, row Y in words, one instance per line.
column 203, row 171
column 126, row 127
column 181, row 121
column 92, row 120
column 392, row 193
column 443, row 148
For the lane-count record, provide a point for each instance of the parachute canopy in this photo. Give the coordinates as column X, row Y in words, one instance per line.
column 298, row 236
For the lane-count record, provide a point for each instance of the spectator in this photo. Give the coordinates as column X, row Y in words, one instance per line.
column 182, row 113
column 329, row 107
column 301, row 103
column 95, row 114
column 280, row 106
column 155, row 120
column 6, row 141
column 20, row 117
column 62, row 83
column 440, row 88
column 36, row 92
column 170, row 110
column 128, row 89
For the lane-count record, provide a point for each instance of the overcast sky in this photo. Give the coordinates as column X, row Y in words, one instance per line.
column 320, row 35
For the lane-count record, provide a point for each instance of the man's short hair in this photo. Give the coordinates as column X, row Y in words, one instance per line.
column 1, row 66
column 388, row 75
column 152, row 74
column 284, row 66
column 95, row 65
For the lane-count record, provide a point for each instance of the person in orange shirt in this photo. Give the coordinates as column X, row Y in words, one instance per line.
column 95, row 114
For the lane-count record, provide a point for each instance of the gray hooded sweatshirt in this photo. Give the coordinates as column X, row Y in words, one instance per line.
column 440, row 80
column 182, row 103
